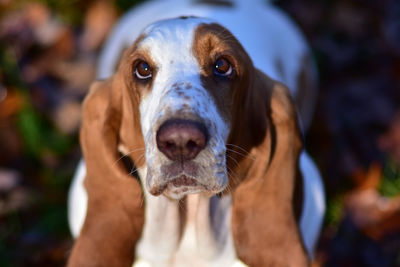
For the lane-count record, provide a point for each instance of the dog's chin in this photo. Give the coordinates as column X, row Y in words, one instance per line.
column 174, row 191
column 183, row 185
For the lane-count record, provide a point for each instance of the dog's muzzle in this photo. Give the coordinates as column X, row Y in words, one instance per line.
column 181, row 140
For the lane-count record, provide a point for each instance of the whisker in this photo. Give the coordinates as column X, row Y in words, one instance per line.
column 241, row 148
column 142, row 201
column 233, row 175
column 128, row 153
column 140, row 159
column 241, row 154
column 234, row 160
column 229, row 188
column 234, row 151
column 134, row 168
column 133, row 171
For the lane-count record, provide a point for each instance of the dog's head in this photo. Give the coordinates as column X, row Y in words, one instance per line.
column 185, row 90
column 186, row 71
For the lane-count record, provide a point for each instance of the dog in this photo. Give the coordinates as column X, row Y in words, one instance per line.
column 203, row 104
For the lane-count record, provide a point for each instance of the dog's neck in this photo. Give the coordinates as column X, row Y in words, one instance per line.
column 201, row 237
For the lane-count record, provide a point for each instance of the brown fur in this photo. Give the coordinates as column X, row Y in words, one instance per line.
column 115, row 213
column 263, row 151
column 263, row 222
column 210, row 42
column 264, row 124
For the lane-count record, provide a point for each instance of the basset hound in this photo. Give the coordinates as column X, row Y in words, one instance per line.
column 203, row 109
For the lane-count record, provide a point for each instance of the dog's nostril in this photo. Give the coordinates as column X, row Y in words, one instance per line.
column 170, row 145
column 181, row 139
column 191, row 144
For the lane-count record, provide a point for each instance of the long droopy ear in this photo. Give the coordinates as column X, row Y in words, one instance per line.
column 263, row 221
column 115, row 212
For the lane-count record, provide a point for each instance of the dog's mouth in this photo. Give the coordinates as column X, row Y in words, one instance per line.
column 179, row 178
column 184, row 180
column 183, row 184
column 178, row 187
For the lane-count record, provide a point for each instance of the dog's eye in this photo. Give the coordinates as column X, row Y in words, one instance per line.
column 143, row 71
column 223, row 67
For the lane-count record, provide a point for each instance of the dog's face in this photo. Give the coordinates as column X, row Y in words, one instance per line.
column 187, row 73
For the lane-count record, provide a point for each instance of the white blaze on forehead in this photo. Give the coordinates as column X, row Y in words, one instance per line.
column 177, row 92
column 169, row 44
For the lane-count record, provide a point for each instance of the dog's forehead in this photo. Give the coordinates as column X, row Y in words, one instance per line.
column 172, row 40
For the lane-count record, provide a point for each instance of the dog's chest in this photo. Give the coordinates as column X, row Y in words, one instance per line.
column 204, row 240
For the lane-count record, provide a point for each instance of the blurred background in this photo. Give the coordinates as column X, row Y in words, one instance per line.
column 48, row 53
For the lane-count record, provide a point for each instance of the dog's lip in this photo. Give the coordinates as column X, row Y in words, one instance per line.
column 158, row 190
column 184, row 180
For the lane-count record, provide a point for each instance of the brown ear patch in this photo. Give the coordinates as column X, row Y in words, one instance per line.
column 263, row 220
column 115, row 214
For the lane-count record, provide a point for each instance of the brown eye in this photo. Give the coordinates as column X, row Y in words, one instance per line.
column 223, row 67
column 143, row 71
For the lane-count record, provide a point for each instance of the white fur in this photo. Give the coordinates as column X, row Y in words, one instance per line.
column 77, row 200
column 206, row 240
column 160, row 235
column 170, row 45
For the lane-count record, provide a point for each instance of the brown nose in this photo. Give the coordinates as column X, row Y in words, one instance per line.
column 181, row 139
